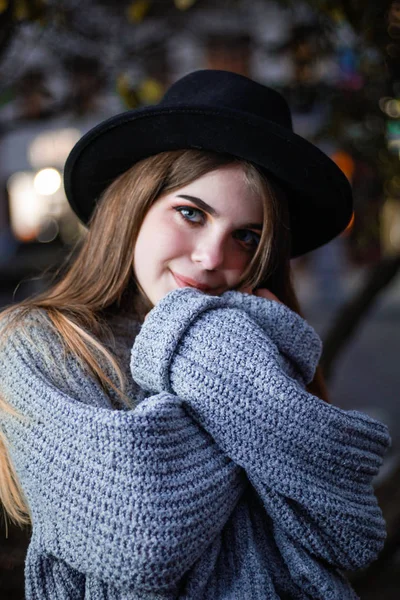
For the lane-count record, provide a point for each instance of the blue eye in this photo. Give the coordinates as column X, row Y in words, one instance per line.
column 249, row 238
column 194, row 216
column 190, row 214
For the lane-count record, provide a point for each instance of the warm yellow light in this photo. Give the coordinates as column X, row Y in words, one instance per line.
column 47, row 181
column 137, row 10
column 345, row 163
column 25, row 207
column 350, row 225
column 392, row 108
column 184, row 4
column 150, row 91
column 390, row 226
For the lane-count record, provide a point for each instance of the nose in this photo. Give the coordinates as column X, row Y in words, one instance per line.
column 209, row 251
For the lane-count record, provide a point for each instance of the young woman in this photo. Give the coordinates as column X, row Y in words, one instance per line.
column 165, row 428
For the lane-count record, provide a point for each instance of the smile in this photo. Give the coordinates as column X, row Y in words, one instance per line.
column 187, row 282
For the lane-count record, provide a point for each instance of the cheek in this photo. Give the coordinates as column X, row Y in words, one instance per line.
column 171, row 239
column 146, row 244
column 139, row 257
column 238, row 260
column 160, row 239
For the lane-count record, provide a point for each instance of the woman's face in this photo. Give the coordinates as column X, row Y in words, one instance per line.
column 202, row 235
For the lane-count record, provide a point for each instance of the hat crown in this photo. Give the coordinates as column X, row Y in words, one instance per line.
column 226, row 90
column 227, row 113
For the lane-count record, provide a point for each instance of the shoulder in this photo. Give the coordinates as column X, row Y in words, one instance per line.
column 32, row 352
column 28, row 332
column 29, row 347
column 33, row 349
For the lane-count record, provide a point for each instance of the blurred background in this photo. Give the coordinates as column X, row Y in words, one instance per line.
column 65, row 65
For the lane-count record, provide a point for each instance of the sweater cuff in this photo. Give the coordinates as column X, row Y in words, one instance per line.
column 160, row 334
column 295, row 338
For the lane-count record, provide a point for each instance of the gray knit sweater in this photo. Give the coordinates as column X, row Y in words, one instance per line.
column 226, row 481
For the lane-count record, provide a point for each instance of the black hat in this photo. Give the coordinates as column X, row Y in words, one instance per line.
column 224, row 112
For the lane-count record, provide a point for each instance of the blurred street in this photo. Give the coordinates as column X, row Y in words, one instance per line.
column 367, row 378
column 367, row 375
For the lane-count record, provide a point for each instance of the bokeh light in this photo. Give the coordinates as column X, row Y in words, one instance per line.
column 47, row 181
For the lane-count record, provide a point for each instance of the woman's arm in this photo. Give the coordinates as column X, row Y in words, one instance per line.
column 311, row 463
column 299, row 345
column 132, row 497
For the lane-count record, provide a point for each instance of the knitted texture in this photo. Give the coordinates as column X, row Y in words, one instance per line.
column 311, row 463
column 155, row 502
column 298, row 342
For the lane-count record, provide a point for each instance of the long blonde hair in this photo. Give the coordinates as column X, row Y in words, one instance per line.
column 97, row 278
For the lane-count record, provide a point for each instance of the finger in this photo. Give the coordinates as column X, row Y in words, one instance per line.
column 246, row 290
column 264, row 293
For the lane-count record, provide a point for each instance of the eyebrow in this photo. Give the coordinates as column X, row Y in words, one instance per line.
column 201, row 204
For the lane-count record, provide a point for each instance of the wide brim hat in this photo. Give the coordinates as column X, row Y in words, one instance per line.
column 227, row 113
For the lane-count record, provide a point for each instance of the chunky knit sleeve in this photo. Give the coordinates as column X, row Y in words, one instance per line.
column 130, row 497
column 299, row 345
column 311, row 463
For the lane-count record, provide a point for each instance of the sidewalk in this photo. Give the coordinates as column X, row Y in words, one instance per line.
column 366, row 376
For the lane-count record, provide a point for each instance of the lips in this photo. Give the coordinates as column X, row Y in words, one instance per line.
column 188, row 282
